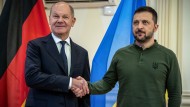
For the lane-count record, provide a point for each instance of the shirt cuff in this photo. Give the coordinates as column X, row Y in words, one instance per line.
column 70, row 83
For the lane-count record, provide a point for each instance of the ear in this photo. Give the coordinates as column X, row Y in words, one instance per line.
column 73, row 21
column 155, row 27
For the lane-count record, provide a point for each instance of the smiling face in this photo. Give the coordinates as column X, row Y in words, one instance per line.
column 144, row 27
column 61, row 19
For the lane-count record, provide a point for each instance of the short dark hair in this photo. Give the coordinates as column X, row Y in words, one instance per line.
column 150, row 10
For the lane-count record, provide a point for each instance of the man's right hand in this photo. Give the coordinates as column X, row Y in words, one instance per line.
column 79, row 86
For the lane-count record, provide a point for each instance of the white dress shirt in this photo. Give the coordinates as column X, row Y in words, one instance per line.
column 67, row 52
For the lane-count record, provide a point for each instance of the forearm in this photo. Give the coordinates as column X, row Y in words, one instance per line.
column 174, row 101
column 48, row 82
column 174, row 84
column 100, row 87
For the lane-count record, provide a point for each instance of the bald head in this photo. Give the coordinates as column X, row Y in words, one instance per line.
column 61, row 19
column 62, row 4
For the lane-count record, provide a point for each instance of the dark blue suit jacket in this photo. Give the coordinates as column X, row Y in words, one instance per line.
column 46, row 77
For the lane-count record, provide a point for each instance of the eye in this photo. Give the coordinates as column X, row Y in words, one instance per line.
column 65, row 17
column 145, row 22
column 56, row 16
column 135, row 22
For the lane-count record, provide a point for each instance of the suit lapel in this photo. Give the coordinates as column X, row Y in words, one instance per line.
column 53, row 51
column 74, row 53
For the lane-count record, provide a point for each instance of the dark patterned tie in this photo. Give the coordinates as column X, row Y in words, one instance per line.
column 63, row 55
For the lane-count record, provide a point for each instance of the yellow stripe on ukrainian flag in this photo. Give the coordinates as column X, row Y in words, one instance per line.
column 115, row 104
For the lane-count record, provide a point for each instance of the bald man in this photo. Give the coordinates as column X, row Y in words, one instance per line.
column 53, row 62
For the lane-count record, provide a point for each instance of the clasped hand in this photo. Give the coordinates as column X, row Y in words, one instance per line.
column 79, row 87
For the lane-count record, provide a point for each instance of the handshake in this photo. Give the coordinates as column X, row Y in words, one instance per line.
column 79, row 86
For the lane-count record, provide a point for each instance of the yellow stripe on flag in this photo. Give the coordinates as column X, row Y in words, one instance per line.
column 23, row 104
column 115, row 104
column 166, row 97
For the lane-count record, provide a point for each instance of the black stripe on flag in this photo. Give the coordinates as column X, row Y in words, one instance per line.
column 12, row 17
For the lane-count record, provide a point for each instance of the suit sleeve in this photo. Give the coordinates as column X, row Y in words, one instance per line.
column 37, row 78
column 85, row 101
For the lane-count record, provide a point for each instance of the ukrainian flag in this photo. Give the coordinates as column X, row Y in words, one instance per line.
column 119, row 34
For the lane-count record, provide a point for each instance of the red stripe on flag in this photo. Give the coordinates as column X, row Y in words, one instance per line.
column 36, row 24
column 15, row 90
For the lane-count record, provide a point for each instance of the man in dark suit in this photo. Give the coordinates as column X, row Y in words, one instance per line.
column 51, row 66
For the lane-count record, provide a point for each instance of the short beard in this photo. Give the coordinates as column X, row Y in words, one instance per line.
column 145, row 39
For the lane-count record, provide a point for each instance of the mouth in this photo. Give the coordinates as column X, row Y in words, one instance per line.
column 140, row 33
column 59, row 26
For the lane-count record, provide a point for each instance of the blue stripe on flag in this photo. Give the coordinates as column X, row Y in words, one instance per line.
column 118, row 35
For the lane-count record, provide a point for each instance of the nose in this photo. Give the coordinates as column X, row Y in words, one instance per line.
column 60, row 19
column 140, row 25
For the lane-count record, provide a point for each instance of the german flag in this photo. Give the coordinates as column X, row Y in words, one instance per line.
column 20, row 22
